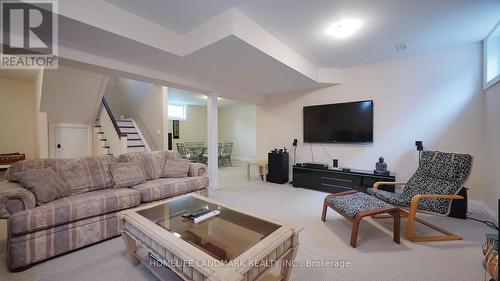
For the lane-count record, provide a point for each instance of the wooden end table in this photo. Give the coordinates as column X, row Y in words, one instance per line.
column 261, row 167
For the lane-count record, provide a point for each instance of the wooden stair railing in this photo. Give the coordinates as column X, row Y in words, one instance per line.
column 112, row 117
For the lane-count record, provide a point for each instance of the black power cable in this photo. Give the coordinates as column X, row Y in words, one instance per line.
column 488, row 223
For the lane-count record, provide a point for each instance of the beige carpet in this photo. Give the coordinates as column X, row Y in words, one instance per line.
column 376, row 258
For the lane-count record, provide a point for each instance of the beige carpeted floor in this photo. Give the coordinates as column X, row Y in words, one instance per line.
column 376, row 258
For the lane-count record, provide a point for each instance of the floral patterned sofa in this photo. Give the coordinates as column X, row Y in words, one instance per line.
column 87, row 213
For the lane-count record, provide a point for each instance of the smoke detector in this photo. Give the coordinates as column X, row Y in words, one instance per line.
column 402, row 46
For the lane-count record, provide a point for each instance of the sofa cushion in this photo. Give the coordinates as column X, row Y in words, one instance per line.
column 45, row 184
column 86, row 174
column 127, row 174
column 27, row 165
column 168, row 187
column 73, row 208
column 152, row 162
column 175, row 168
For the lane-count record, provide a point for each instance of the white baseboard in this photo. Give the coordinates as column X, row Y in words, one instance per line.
column 478, row 206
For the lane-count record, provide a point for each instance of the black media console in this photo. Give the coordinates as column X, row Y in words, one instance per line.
column 332, row 180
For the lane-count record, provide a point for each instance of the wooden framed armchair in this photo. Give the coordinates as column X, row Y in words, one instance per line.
column 437, row 181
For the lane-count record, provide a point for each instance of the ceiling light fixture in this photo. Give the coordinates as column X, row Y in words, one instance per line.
column 344, row 28
column 402, row 46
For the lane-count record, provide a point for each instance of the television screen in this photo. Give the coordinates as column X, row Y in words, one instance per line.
column 350, row 122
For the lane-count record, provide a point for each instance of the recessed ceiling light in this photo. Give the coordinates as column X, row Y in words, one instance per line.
column 401, row 46
column 344, row 28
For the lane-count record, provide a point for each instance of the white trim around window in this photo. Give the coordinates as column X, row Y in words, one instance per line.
column 491, row 57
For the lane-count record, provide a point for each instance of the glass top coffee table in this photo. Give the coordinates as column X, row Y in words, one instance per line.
column 234, row 245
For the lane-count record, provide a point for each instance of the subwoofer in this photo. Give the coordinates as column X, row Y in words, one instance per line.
column 278, row 167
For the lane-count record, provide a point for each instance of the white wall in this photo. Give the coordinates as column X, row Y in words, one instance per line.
column 237, row 124
column 41, row 121
column 194, row 128
column 144, row 103
column 434, row 97
column 492, row 193
column 17, row 133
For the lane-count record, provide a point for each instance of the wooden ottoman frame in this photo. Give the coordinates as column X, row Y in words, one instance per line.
column 393, row 211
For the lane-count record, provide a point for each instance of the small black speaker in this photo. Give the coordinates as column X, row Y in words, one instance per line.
column 335, row 163
column 169, row 141
column 294, row 142
column 419, row 145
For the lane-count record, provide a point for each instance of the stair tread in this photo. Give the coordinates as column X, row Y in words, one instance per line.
column 134, row 139
column 105, row 146
column 97, row 126
column 126, row 127
column 138, row 145
column 103, row 139
column 100, row 133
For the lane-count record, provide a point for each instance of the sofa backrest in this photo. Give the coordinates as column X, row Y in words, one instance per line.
column 82, row 174
column 152, row 161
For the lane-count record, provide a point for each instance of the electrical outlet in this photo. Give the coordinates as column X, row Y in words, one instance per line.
column 158, row 132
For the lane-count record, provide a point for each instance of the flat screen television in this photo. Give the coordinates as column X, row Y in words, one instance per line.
column 350, row 122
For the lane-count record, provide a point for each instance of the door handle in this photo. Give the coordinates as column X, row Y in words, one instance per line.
column 58, row 145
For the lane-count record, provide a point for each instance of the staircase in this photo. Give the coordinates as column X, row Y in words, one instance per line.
column 135, row 140
column 117, row 136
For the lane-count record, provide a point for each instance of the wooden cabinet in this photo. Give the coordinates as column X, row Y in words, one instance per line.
column 329, row 180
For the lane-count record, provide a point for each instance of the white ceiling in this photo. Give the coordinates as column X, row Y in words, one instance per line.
column 424, row 24
column 182, row 97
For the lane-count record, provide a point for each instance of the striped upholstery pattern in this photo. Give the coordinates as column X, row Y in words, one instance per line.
column 12, row 195
column 82, row 175
column 86, row 174
column 73, row 208
column 152, row 162
column 27, row 165
column 169, row 187
column 40, row 245
column 197, row 170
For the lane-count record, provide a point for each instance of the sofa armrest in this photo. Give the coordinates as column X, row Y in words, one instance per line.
column 14, row 198
column 197, row 170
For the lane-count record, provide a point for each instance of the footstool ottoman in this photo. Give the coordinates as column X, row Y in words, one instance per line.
column 354, row 206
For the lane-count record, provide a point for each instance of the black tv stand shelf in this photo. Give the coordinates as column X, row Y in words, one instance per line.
column 336, row 180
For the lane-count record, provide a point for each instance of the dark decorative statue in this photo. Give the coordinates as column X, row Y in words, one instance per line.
column 381, row 167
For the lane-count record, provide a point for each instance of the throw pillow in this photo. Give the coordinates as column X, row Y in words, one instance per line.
column 175, row 169
column 45, row 184
column 127, row 174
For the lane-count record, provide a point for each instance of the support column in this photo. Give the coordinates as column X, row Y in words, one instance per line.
column 213, row 141
column 165, row 117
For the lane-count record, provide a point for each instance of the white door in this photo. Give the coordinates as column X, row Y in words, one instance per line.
column 71, row 142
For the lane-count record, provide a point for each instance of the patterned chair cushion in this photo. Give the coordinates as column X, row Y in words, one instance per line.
column 175, row 168
column 127, row 174
column 354, row 203
column 152, row 162
column 45, row 184
column 168, row 187
column 389, row 197
column 439, row 173
column 73, row 208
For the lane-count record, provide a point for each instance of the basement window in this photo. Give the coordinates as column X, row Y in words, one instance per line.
column 176, row 112
column 491, row 58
